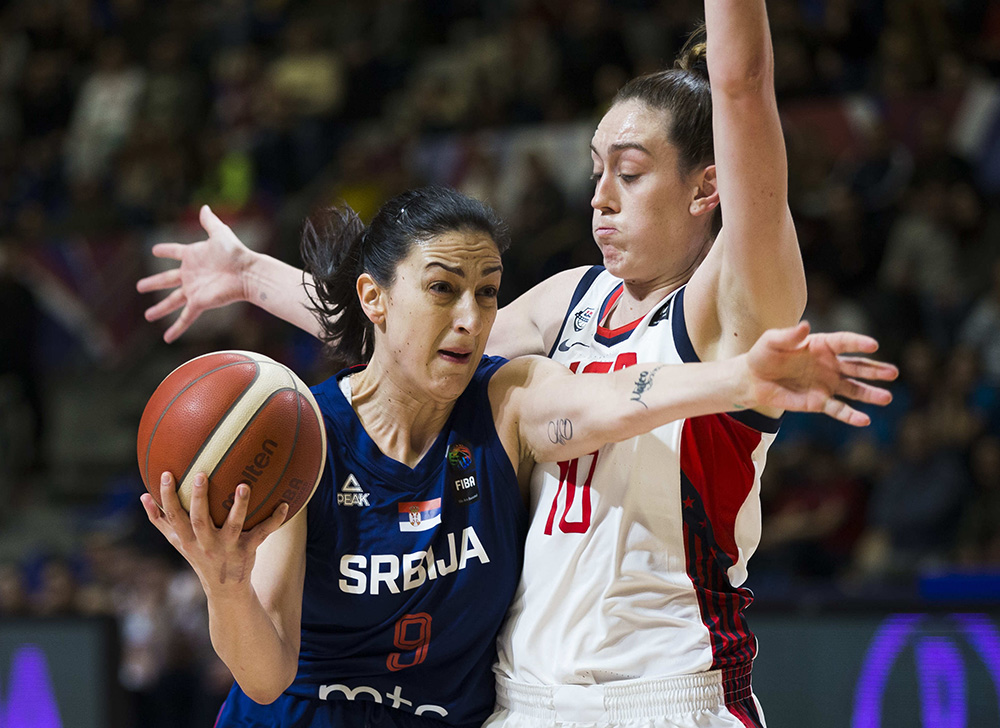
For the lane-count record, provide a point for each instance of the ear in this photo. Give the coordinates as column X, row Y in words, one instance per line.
column 706, row 197
column 372, row 299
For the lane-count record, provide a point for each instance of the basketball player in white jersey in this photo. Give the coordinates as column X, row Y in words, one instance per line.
column 630, row 608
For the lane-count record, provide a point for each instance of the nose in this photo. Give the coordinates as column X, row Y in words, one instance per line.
column 468, row 314
column 604, row 198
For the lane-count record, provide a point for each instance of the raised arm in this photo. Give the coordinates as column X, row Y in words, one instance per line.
column 752, row 279
column 254, row 587
column 557, row 415
column 221, row 270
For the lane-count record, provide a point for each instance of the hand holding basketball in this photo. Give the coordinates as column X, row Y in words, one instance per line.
column 222, row 557
column 239, row 417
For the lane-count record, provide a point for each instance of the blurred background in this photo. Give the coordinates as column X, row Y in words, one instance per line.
column 119, row 118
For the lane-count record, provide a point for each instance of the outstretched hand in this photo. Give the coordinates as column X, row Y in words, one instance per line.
column 794, row 370
column 222, row 557
column 209, row 275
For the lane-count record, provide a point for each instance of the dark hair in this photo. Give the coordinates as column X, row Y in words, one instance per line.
column 684, row 91
column 336, row 248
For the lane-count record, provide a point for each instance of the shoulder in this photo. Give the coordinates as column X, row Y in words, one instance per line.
column 561, row 285
column 531, row 323
column 526, row 374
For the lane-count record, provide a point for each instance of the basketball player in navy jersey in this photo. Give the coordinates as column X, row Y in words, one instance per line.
column 380, row 602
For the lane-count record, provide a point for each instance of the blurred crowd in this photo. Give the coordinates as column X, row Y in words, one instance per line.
column 118, row 118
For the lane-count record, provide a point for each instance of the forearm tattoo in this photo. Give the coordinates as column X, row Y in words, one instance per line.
column 560, row 431
column 644, row 382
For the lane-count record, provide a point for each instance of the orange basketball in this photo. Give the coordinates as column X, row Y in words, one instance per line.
column 239, row 417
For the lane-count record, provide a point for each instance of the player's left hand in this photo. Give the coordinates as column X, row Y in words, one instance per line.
column 794, row 370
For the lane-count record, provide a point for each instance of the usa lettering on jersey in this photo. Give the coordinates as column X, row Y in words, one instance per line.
column 372, row 573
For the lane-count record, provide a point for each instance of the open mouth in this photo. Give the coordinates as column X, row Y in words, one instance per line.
column 456, row 357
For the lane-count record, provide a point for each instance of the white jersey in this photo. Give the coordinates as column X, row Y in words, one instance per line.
column 636, row 553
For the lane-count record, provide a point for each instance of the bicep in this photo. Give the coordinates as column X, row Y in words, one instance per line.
column 550, row 412
column 530, row 324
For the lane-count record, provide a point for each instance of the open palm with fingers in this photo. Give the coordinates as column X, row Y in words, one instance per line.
column 209, row 275
column 792, row 369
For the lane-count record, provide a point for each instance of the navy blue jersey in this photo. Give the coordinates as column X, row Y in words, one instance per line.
column 409, row 573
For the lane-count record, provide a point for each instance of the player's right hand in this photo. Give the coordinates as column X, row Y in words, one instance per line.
column 223, row 557
column 210, row 275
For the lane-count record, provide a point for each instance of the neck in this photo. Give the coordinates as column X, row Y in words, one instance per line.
column 403, row 421
column 640, row 296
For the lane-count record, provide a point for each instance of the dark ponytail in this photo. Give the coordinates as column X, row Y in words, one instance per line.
column 331, row 250
column 685, row 93
column 337, row 248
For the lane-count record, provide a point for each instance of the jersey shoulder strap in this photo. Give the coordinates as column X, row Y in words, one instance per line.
column 581, row 288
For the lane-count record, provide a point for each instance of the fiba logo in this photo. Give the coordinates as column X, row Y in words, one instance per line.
column 30, row 699
column 953, row 660
column 460, row 457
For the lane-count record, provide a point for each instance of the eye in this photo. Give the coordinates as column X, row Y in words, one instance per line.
column 489, row 291
column 595, row 176
column 627, row 178
column 441, row 287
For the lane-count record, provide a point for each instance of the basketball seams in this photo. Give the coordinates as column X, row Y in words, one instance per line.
column 163, row 413
column 204, row 426
column 219, row 440
column 308, row 395
column 291, row 452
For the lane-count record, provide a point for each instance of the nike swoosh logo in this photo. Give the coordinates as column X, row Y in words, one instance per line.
column 565, row 346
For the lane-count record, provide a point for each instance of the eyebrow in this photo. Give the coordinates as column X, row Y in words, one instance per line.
column 621, row 146
column 460, row 272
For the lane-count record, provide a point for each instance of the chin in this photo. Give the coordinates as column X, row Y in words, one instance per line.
column 615, row 263
column 450, row 386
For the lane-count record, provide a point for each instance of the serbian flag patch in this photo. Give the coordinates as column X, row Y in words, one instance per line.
column 419, row 515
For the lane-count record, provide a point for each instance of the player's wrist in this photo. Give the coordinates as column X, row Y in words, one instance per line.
column 226, row 592
column 247, row 267
column 744, row 389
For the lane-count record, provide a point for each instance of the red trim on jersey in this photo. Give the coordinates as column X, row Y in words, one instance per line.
column 608, row 303
column 717, row 474
column 716, row 457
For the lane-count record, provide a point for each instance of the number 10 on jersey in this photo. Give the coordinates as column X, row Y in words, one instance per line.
column 573, row 520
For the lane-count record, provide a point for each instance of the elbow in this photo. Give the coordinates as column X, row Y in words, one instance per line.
column 262, row 696
column 748, row 78
column 266, row 692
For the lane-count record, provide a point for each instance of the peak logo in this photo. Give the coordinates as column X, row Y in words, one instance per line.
column 30, row 700
column 351, row 494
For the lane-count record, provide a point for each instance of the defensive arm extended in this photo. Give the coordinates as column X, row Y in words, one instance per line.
column 221, row 270
column 558, row 415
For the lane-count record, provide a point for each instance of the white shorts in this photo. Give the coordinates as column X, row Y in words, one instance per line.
column 688, row 701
